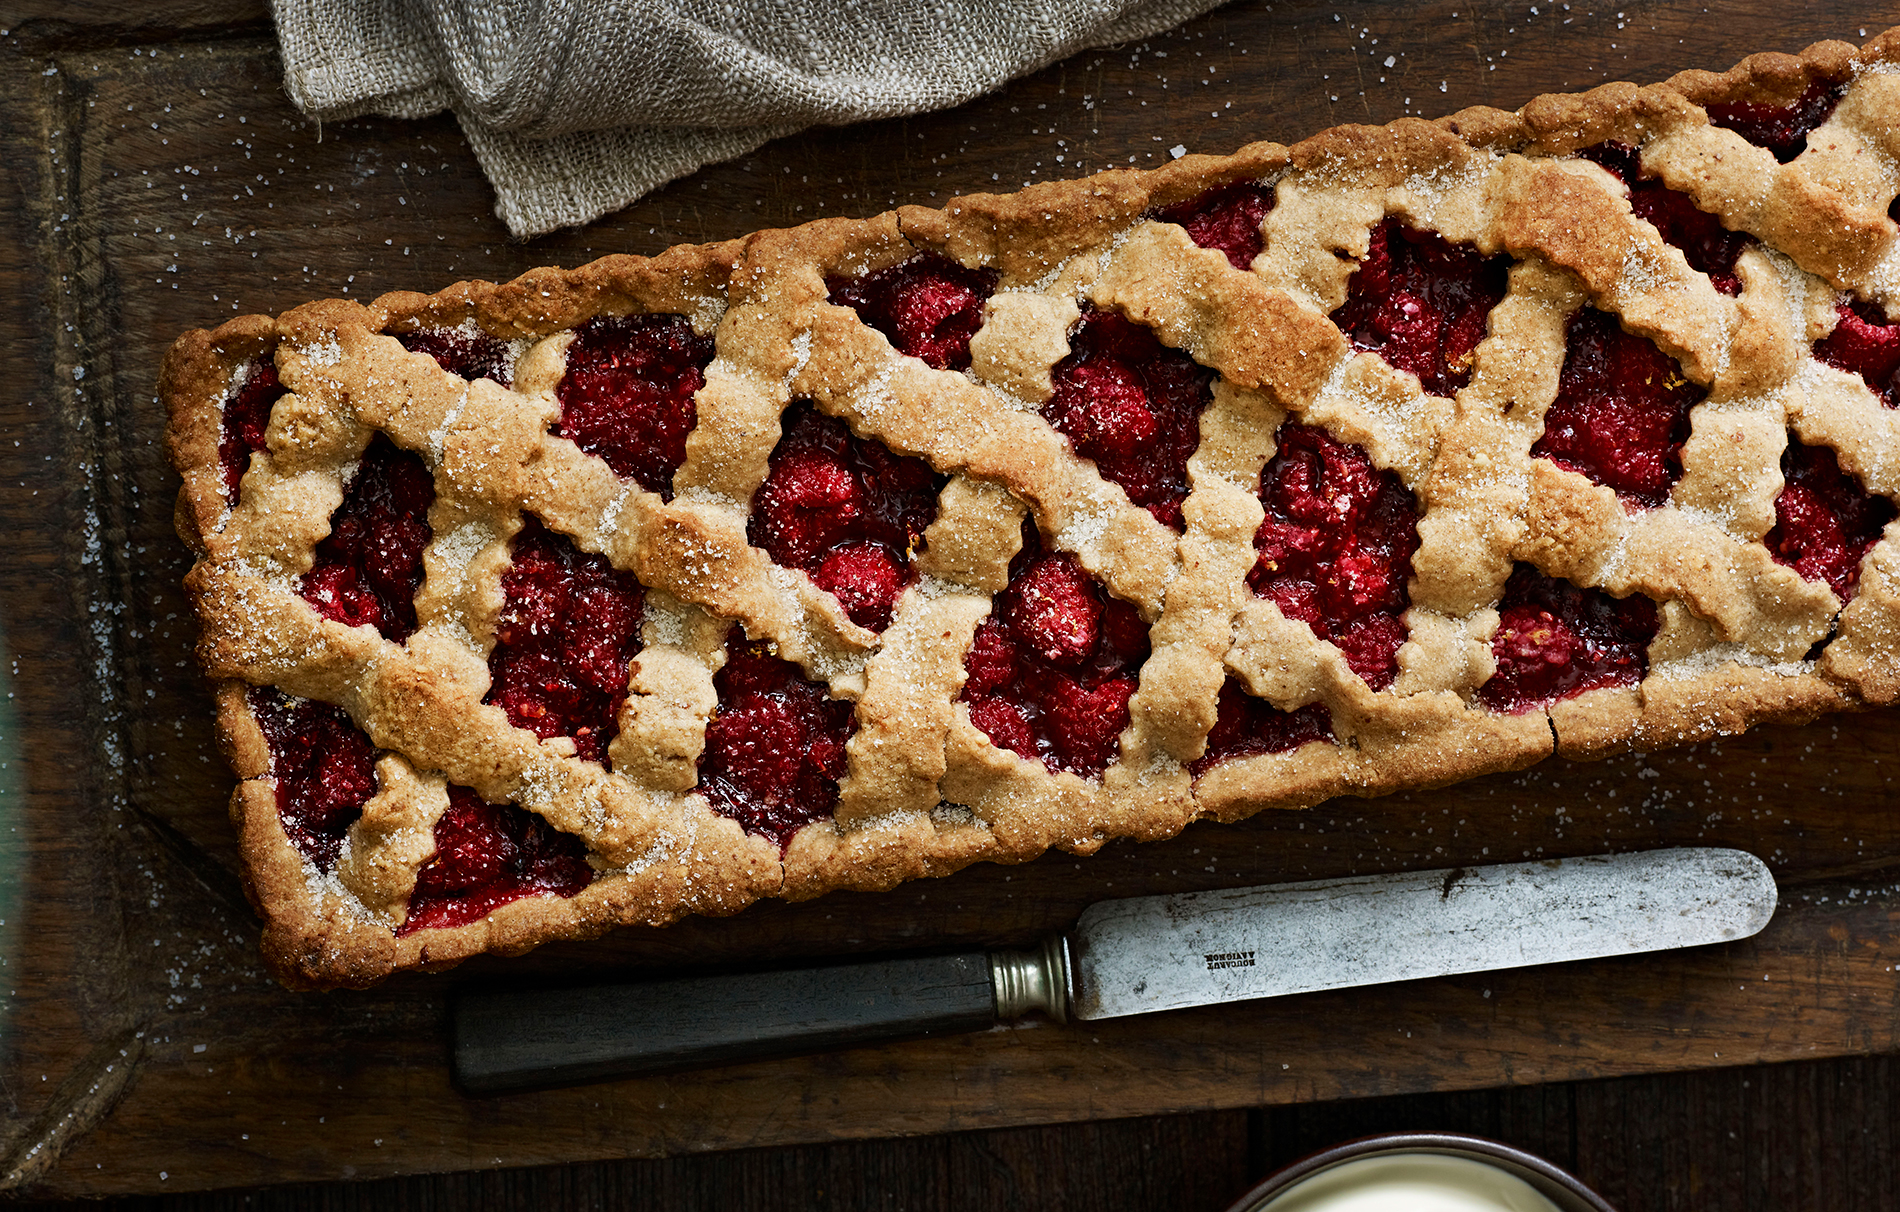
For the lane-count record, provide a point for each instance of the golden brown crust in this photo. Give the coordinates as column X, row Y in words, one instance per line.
column 926, row 792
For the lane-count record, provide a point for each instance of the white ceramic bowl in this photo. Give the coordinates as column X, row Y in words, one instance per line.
column 1421, row 1172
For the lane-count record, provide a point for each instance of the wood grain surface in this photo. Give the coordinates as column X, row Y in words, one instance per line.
column 159, row 179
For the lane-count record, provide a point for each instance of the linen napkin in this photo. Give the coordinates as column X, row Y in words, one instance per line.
column 578, row 107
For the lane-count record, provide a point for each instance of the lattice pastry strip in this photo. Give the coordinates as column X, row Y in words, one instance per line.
column 849, row 554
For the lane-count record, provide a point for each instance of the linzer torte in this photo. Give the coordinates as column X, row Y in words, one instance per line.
column 839, row 556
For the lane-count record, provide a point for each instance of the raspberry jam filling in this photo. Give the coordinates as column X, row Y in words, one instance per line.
column 846, row 511
column 1824, row 520
column 1133, row 406
column 1421, row 303
column 246, row 416
column 368, row 569
column 1621, row 413
column 569, row 624
column 1865, row 343
column 472, row 355
column 1782, row 129
column 928, row 307
column 1248, row 725
column 627, row 395
column 1555, row 640
column 775, row 746
column 1336, row 547
column 1709, row 247
column 1226, row 218
column 1051, row 669
column 487, row 856
column 324, row 768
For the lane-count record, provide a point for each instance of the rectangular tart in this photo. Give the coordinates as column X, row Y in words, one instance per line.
column 843, row 555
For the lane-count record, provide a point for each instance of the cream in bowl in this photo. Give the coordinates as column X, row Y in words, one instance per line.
column 1422, row 1172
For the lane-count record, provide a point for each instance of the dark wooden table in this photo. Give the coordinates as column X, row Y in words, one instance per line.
column 157, row 179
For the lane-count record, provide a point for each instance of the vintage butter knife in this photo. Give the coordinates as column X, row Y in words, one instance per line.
column 1130, row 957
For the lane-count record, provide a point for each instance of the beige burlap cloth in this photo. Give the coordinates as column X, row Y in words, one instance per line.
column 577, row 107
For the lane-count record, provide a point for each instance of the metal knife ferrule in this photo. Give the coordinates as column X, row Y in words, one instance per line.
column 1032, row 980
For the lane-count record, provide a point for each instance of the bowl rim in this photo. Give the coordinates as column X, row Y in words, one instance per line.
column 1550, row 1180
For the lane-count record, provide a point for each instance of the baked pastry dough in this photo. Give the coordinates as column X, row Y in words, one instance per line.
column 844, row 555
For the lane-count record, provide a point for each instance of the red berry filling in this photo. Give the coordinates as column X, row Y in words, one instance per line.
column 1865, row 343
column 246, row 416
column 1782, row 129
column 1051, row 669
column 569, row 624
column 1555, row 640
column 487, row 856
column 368, row 569
column 1621, row 413
column 1133, row 406
column 324, row 768
column 775, row 746
column 1709, row 247
column 1421, row 303
column 1248, row 725
column 470, row 355
column 1336, row 547
column 1824, row 520
column 1226, row 218
column 627, row 395
column 846, row 511
column 929, row 306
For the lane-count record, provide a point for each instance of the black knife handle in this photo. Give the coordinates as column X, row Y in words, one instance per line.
column 526, row 1038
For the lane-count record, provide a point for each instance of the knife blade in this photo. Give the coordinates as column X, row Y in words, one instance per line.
column 1133, row 956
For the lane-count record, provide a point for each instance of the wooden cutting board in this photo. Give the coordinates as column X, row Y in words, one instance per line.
column 159, row 180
